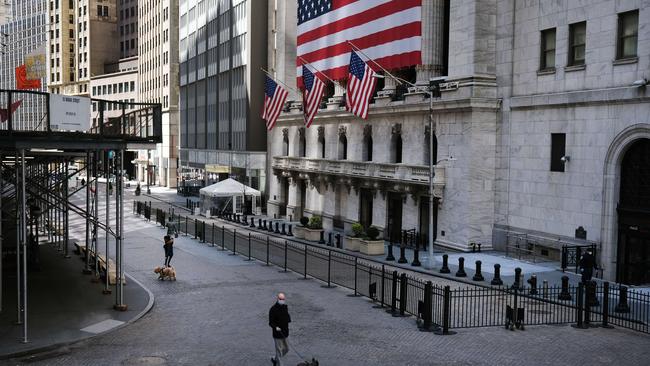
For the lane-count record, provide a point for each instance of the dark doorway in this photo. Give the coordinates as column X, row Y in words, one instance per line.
column 365, row 208
column 284, row 198
column 394, row 216
column 633, row 262
column 302, row 186
column 424, row 220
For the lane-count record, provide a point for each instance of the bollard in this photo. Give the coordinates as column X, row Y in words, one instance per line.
column 445, row 264
column 338, row 241
column 461, row 268
column 592, row 299
column 277, row 228
column 496, row 281
column 270, row 226
column 393, row 299
column 564, row 293
column 252, row 222
column 532, row 281
column 402, row 253
column 322, row 238
column 416, row 256
column 329, row 239
column 290, row 233
column 259, row 224
column 478, row 276
column 622, row 306
column 479, row 247
column 390, row 256
column 517, row 283
column 284, row 231
column 473, row 247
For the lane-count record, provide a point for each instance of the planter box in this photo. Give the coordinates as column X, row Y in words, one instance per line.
column 299, row 232
column 312, row 234
column 372, row 247
column 352, row 243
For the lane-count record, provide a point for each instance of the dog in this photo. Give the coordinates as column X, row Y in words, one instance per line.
column 313, row 362
column 165, row 273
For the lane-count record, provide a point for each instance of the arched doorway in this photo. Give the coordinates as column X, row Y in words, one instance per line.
column 633, row 251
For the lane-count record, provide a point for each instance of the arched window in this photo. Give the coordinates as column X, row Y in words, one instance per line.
column 367, row 143
column 285, row 142
column 301, row 143
column 343, row 144
column 396, row 144
column 427, row 154
column 321, row 142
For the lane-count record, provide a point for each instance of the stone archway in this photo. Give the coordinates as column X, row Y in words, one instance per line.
column 611, row 195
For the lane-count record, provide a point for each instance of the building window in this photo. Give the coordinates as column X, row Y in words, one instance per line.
column 321, row 142
column 396, row 144
column 628, row 29
column 558, row 150
column 105, row 11
column 285, row 143
column 547, row 60
column 99, row 10
column 577, row 41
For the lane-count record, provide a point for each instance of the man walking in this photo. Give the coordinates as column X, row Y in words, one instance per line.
column 587, row 266
column 279, row 320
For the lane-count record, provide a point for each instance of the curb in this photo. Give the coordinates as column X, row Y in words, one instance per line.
column 51, row 347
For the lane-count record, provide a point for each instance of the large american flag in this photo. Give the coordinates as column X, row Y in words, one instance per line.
column 274, row 98
column 387, row 31
column 311, row 95
column 361, row 86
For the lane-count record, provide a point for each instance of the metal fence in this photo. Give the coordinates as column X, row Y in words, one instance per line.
column 437, row 308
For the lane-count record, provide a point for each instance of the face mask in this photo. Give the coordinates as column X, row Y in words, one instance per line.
column 281, row 302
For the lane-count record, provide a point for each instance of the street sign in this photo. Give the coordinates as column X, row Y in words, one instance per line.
column 69, row 113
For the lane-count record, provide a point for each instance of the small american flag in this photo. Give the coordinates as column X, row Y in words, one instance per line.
column 274, row 98
column 312, row 95
column 361, row 86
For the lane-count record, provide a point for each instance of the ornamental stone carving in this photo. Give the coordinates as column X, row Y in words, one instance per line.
column 301, row 132
column 342, row 130
column 285, row 133
column 321, row 132
column 367, row 131
column 397, row 129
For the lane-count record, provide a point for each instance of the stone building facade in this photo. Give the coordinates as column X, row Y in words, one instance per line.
column 544, row 110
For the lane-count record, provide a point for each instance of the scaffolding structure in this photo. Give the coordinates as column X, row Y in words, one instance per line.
column 35, row 189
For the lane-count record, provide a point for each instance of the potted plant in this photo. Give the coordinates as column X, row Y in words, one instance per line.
column 299, row 231
column 353, row 241
column 314, row 228
column 370, row 244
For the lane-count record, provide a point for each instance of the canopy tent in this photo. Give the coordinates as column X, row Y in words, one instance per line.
column 228, row 195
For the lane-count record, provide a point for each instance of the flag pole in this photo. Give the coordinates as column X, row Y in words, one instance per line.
column 274, row 79
column 396, row 78
column 305, row 62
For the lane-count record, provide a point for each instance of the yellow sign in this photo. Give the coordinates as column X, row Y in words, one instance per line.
column 211, row 168
column 36, row 64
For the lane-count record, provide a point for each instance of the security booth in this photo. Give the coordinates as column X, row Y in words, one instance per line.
column 230, row 196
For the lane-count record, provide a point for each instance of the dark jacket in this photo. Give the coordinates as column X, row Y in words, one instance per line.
column 279, row 317
column 588, row 262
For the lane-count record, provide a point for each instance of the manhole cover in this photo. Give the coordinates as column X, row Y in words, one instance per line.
column 146, row 360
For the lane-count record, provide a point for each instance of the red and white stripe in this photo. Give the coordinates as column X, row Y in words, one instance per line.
column 358, row 93
column 273, row 106
column 311, row 100
column 387, row 31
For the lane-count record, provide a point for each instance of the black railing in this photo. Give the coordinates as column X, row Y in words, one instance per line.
column 571, row 255
column 439, row 307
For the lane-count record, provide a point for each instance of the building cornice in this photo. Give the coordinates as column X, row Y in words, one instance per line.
column 622, row 95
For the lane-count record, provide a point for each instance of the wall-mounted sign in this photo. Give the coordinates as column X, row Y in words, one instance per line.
column 69, row 113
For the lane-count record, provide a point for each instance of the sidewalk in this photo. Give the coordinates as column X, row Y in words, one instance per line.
column 162, row 197
column 63, row 306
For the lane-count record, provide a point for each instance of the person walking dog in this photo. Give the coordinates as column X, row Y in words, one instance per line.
column 279, row 320
column 169, row 249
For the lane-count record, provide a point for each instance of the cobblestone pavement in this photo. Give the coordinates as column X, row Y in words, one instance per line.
column 216, row 314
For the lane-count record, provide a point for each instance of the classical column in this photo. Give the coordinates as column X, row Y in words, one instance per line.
column 335, row 101
column 433, row 30
column 384, row 96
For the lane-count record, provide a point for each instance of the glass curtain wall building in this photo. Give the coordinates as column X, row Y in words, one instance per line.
column 222, row 48
column 22, row 32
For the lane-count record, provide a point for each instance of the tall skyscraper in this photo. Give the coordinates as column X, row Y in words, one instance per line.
column 23, row 34
column 128, row 23
column 73, row 57
column 223, row 45
column 158, row 83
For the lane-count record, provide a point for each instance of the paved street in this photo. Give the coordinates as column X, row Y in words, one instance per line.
column 216, row 314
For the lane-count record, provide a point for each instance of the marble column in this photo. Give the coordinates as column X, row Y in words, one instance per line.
column 335, row 101
column 433, row 30
column 384, row 96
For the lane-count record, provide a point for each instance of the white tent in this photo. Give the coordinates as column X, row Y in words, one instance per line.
column 228, row 193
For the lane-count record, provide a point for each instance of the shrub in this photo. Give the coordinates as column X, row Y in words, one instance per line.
column 304, row 221
column 357, row 230
column 315, row 222
column 372, row 233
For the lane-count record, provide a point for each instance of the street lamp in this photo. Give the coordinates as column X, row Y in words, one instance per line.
column 432, row 91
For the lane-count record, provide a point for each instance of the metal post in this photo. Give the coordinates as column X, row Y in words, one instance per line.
column 305, row 264
column 234, row 242
column 86, row 269
column 223, row 237
column 329, row 270
column 107, row 290
column 96, row 212
column 1, row 191
column 212, row 234
column 23, row 219
column 432, row 174
column 119, row 186
column 18, row 241
column 66, row 223
column 249, row 247
column 267, row 250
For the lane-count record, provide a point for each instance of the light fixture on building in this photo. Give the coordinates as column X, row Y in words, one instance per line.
column 565, row 159
column 641, row 82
